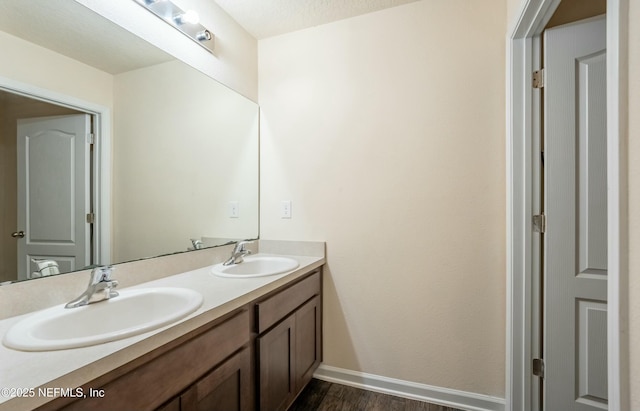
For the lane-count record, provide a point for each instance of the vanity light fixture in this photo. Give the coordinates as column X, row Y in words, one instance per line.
column 188, row 22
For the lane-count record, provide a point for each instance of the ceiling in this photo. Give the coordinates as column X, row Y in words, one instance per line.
column 75, row 31
column 267, row 18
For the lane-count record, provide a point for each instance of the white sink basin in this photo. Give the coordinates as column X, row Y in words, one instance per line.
column 256, row 266
column 132, row 312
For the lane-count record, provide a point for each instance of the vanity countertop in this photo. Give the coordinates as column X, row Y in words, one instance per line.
column 49, row 371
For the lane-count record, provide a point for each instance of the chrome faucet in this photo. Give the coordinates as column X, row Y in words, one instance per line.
column 101, row 287
column 197, row 244
column 238, row 253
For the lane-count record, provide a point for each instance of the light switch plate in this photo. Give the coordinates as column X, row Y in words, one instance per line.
column 285, row 209
column 234, row 209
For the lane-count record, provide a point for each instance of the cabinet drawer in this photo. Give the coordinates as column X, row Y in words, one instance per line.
column 150, row 385
column 273, row 309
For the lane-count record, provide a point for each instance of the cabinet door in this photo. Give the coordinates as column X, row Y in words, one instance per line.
column 226, row 388
column 276, row 359
column 308, row 329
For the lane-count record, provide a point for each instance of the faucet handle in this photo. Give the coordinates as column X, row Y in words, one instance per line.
column 240, row 250
column 240, row 245
column 101, row 274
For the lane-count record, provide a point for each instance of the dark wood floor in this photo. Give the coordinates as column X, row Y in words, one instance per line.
column 322, row 395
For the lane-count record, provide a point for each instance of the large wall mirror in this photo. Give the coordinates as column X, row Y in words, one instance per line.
column 162, row 159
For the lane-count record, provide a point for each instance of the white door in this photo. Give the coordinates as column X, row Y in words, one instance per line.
column 575, row 242
column 53, row 192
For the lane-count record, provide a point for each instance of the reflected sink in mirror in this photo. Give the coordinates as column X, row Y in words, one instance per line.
column 256, row 266
column 133, row 312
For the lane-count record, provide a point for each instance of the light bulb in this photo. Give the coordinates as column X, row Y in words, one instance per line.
column 188, row 16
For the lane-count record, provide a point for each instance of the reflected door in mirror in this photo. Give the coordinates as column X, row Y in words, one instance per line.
column 53, row 191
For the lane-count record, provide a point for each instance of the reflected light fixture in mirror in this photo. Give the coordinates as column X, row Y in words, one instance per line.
column 187, row 22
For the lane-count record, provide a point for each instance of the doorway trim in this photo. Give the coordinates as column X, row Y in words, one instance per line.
column 102, row 177
column 523, row 57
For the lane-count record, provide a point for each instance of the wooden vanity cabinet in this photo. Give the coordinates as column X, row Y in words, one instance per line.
column 289, row 344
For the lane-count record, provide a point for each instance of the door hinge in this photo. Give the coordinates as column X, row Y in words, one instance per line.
column 538, row 78
column 540, row 223
column 91, row 218
column 537, row 367
column 91, row 138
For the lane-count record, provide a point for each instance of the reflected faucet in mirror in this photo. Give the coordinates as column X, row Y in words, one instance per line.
column 101, row 287
column 197, row 244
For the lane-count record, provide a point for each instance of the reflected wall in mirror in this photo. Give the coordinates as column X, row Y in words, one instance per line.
column 186, row 148
column 183, row 148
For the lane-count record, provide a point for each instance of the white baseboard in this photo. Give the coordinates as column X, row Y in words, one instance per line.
column 436, row 395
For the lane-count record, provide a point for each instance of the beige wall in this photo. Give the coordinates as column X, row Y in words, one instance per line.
column 387, row 133
column 634, row 202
